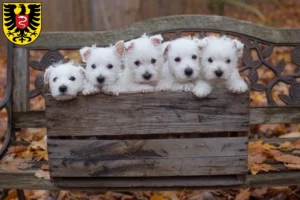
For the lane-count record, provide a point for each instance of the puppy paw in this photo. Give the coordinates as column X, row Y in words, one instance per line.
column 147, row 88
column 112, row 90
column 90, row 90
column 188, row 87
column 237, row 86
column 163, row 88
column 202, row 91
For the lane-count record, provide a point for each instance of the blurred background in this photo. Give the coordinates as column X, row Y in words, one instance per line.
column 100, row 15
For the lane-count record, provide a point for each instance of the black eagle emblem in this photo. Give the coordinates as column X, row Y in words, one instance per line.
column 22, row 26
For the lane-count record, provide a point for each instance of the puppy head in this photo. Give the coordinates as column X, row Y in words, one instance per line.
column 103, row 64
column 65, row 80
column 219, row 56
column 144, row 59
column 183, row 59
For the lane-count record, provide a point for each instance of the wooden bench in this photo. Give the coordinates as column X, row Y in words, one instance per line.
column 151, row 141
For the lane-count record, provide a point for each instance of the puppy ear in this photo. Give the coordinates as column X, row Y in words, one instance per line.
column 202, row 44
column 119, row 48
column 47, row 74
column 129, row 46
column 238, row 47
column 156, row 39
column 82, row 71
column 85, row 53
column 166, row 48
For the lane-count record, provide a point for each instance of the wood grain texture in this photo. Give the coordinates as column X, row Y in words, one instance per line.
column 184, row 22
column 152, row 113
column 147, row 149
column 20, row 80
column 258, row 115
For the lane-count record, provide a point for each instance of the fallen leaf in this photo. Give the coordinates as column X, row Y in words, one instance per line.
column 45, row 167
column 296, row 145
column 292, row 166
column 42, row 174
column 39, row 155
column 42, row 144
column 157, row 197
column 259, row 144
column 290, row 135
column 243, row 195
column 12, row 194
column 255, row 168
column 257, row 158
column 286, row 146
column 16, row 149
column 291, row 159
column 272, row 153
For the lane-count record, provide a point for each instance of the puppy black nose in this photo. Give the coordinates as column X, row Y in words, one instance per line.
column 188, row 71
column 218, row 73
column 147, row 75
column 63, row 88
column 100, row 79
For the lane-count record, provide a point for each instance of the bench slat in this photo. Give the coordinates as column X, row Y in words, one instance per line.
column 143, row 114
column 20, row 80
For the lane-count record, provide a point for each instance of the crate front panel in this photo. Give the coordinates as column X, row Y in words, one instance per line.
column 148, row 158
column 144, row 114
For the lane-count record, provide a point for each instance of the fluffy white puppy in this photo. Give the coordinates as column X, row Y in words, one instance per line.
column 103, row 68
column 143, row 62
column 219, row 61
column 65, row 80
column 182, row 67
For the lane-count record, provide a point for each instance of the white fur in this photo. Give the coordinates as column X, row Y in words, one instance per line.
column 175, row 77
column 138, row 63
column 220, row 55
column 61, row 75
column 105, row 64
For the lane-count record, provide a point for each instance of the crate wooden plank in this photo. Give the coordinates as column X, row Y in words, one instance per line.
column 258, row 115
column 152, row 113
column 90, row 167
column 147, row 149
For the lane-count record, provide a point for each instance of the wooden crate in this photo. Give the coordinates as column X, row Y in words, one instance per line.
column 153, row 140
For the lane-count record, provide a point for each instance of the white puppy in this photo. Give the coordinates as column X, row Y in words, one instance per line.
column 103, row 68
column 65, row 80
column 143, row 62
column 219, row 61
column 182, row 68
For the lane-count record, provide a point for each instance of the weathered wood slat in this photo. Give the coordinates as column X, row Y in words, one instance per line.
column 147, row 149
column 37, row 119
column 20, row 80
column 153, row 113
column 188, row 22
column 90, row 167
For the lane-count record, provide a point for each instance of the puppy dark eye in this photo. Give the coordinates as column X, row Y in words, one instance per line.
column 137, row 63
column 72, row 78
column 94, row 66
column 210, row 60
column 228, row 61
column 54, row 79
column 153, row 61
column 194, row 57
column 177, row 59
column 110, row 66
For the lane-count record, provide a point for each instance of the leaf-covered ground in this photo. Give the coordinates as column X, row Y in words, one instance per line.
column 277, row 14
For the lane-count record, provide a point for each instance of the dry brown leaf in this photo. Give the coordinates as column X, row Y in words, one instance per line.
column 42, row 174
column 42, row 144
column 16, row 149
column 291, row 135
column 257, row 158
column 157, row 197
column 255, row 168
column 292, row 166
column 243, row 195
column 12, row 194
column 272, row 153
column 286, row 146
column 296, row 145
column 291, row 159
column 259, row 144
column 40, row 154
column 45, row 167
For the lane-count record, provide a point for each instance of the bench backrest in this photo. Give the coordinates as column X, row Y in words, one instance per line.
column 256, row 38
